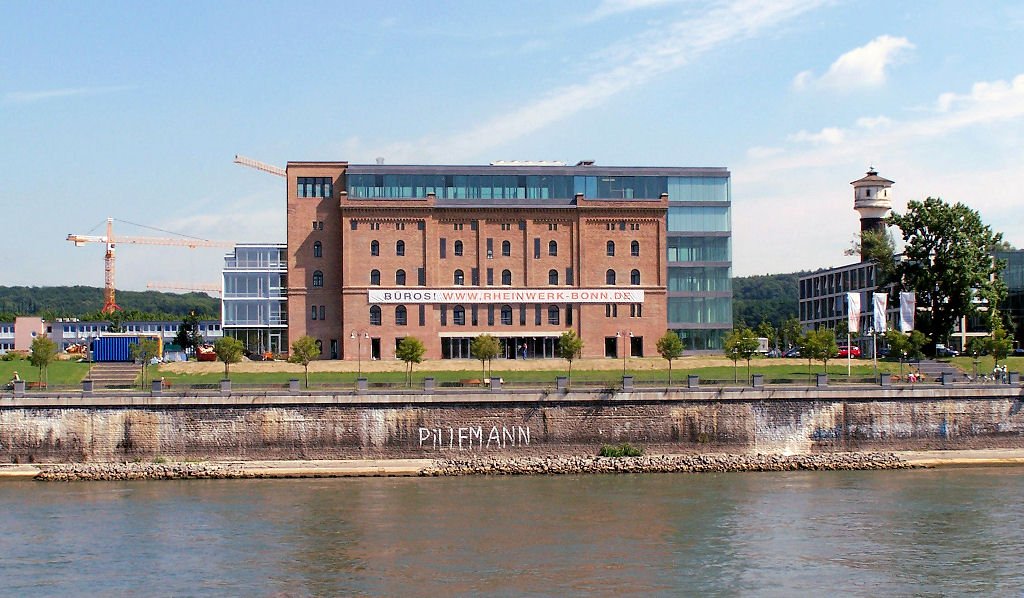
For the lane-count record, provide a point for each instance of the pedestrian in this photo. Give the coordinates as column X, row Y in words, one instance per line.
column 524, row 350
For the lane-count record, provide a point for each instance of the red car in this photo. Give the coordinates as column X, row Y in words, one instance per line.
column 849, row 351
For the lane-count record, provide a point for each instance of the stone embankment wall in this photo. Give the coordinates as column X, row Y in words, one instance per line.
column 444, row 426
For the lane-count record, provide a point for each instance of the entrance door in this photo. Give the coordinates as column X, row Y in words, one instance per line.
column 611, row 346
column 374, row 348
column 334, row 348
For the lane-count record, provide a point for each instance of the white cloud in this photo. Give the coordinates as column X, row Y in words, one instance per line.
column 828, row 135
column 609, row 8
column 24, row 97
column 860, row 67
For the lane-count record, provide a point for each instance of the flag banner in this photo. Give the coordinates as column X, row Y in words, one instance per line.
column 881, row 302
column 908, row 305
column 853, row 312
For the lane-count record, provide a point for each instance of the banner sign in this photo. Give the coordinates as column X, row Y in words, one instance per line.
column 853, row 312
column 908, row 305
column 611, row 295
column 881, row 302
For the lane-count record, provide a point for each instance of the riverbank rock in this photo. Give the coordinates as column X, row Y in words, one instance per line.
column 716, row 463
column 70, row 472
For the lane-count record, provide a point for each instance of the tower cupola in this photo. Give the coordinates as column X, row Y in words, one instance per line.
column 873, row 201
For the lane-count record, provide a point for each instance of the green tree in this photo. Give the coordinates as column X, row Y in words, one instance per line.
column 569, row 347
column 791, row 332
column 44, row 351
column 116, row 319
column 998, row 343
column 766, row 330
column 411, row 351
column 878, row 247
column 947, row 261
column 917, row 342
column 670, row 347
column 188, row 337
column 485, row 348
column 741, row 344
column 144, row 351
column 304, row 350
column 228, row 350
column 819, row 344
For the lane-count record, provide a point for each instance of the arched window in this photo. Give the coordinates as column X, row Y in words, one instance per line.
column 553, row 315
column 400, row 278
column 552, row 248
column 552, row 276
column 401, row 316
column 634, row 277
column 634, row 249
column 609, row 277
column 506, row 315
column 459, row 315
column 374, row 247
column 375, row 278
column 458, row 248
column 374, row 315
column 318, row 279
column 506, row 248
column 400, row 248
column 460, row 278
column 318, row 249
column 506, row 277
column 610, row 249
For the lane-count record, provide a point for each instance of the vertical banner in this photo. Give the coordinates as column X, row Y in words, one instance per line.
column 881, row 302
column 853, row 312
column 908, row 305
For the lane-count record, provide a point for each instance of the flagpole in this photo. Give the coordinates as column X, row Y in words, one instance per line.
column 849, row 351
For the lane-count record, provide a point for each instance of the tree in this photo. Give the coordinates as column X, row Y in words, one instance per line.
column 485, row 348
column 876, row 246
column 144, row 351
column 229, row 350
column 44, row 351
column 791, row 332
column 304, row 350
column 116, row 318
column 670, row 347
column 569, row 347
column 820, row 344
column 998, row 343
column 766, row 330
column 947, row 261
column 411, row 351
column 188, row 337
column 741, row 344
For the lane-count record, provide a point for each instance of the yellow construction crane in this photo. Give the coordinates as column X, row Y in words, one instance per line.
column 263, row 166
column 183, row 286
column 109, row 304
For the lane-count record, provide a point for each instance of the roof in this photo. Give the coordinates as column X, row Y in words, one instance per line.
column 872, row 178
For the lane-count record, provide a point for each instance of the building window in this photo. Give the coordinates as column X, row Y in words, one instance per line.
column 375, row 278
column 611, row 310
column 634, row 249
column 506, row 277
column 400, row 278
column 636, row 310
column 609, row 277
column 401, row 316
column 318, row 249
column 634, row 277
column 459, row 315
column 374, row 248
column 323, row 312
column 399, row 226
column 552, row 277
column 400, row 248
column 506, row 315
column 610, row 249
column 553, row 315
column 552, row 226
column 457, row 226
column 318, row 279
column 460, row 278
column 506, row 248
column 318, row 225
column 634, row 226
column 312, row 312
column 314, row 187
column 552, row 248
column 458, row 248
column 375, row 226
column 374, row 315
column 506, row 226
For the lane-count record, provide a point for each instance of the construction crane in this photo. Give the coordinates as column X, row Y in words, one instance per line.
column 182, row 286
column 109, row 304
column 262, row 166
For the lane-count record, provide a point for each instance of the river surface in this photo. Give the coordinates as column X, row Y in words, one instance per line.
column 927, row 532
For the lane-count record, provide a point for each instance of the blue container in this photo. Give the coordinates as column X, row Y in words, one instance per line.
column 118, row 348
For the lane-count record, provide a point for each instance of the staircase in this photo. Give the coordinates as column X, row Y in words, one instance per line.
column 932, row 370
column 114, row 374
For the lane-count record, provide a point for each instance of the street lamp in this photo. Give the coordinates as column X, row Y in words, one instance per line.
column 623, row 334
column 359, row 336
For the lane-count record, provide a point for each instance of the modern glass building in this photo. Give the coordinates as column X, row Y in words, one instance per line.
column 1013, row 277
column 254, row 298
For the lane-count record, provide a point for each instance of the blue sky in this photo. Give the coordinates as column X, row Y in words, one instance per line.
column 135, row 110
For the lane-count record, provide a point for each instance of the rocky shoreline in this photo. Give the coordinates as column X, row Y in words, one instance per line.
column 718, row 463
column 72, row 472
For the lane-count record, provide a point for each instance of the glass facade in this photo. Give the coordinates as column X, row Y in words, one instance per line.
column 314, row 187
column 699, row 249
column 699, row 279
column 253, row 308
column 698, row 188
column 699, row 219
column 495, row 186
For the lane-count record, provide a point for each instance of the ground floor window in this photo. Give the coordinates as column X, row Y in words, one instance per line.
column 536, row 347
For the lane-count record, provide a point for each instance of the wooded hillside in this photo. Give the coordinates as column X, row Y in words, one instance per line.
column 85, row 303
column 772, row 297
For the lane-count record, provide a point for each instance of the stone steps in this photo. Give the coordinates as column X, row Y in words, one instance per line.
column 110, row 375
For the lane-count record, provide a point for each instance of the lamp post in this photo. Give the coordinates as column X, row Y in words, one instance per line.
column 359, row 336
column 622, row 335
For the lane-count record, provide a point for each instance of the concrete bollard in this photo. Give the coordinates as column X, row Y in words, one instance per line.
column 1014, row 377
column 87, row 388
column 361, row 385
column 947, row 378
column 562, row 383
column 495, row 384
column 19, row 389
column 757, row 381
column 225, row 387
column 428, row 384
column 157, row 387
column 821, row 380
column 885, row 380
column 692, row 381
column 627, row 384
column 293, row 385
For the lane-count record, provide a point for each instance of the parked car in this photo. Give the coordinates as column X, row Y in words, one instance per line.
column 851, row 351
column 792, row 352
column 944, row 351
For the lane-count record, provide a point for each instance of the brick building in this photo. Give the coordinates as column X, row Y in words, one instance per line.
column 523, row 251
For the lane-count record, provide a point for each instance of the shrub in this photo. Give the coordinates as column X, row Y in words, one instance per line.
column 620, row 450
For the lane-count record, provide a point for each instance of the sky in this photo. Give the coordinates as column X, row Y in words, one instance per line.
column 135, row 110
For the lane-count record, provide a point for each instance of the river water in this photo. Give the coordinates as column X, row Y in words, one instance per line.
column 927, row 532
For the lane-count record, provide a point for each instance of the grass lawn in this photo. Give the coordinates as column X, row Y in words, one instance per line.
column 60, row 373
column 986, row 363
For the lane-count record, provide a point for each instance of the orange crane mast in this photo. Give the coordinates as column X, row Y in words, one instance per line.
column 109, row 302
